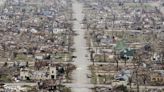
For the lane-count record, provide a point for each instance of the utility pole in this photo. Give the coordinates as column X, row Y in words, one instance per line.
column 116, row 58
column 91, row 56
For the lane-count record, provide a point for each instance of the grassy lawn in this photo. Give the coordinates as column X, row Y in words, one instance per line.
column 5, row 78
column 66, row 89
column 137, row 5
column 101, row 76
column 61, row 57
column 105, row 79
column 22, row 57
column 34, row 89
column 93, row 75
column 93, row 78
column 100, row 58
column 131, row 37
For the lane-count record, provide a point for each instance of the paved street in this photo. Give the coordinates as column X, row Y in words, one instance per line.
column 81, row 62
column 55, row 41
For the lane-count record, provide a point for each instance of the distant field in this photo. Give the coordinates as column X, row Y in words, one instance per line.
column 1, row 2
column 135, row 5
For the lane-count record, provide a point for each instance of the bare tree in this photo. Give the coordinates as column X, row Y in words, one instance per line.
column 116, row 59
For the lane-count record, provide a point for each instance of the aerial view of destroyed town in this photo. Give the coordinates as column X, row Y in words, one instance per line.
column 81, row 45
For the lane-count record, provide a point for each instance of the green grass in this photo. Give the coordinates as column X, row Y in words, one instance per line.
column 103, row 79
column 93, row 74
column 100, row 58
column 94, row 78
column 65, row 89
column 137, row 5
column 5, row 78
column 23, row 57
column 31, row 88
column 106, row 78
column 61, row 56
